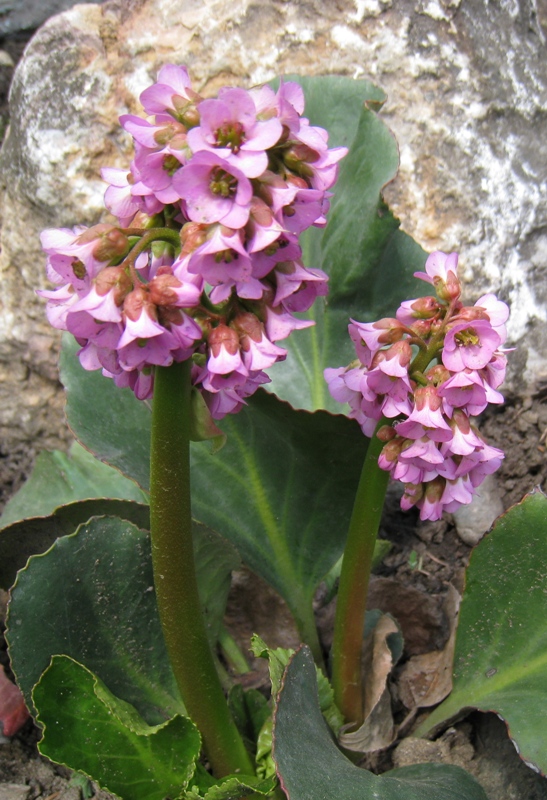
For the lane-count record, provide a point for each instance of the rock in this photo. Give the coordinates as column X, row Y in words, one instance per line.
column 467, row 94
column 474, row 520
column 14, row 791
column 24, row 15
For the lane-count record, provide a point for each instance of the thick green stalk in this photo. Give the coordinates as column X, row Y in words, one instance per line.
column 354, row 579
column 175, row 575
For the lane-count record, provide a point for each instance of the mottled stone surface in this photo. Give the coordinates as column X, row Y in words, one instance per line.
column 24, row 15
column 467, row 99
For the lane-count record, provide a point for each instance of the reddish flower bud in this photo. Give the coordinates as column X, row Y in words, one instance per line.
column 248, row 324
column 427, row 396
column 192, row 235
column 437, row 374
column 135, row 302
column 260, row 212
column 386, row 433
column 393, row 330
column 392, row 450
column 223, row 335
column 425, row 307
column 161, row 289
column 401, row 350
column 470, row 314
column 113, row 243
column 422, row 327
column 113, row 278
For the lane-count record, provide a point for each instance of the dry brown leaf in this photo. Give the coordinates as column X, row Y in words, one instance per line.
column 378, row 729
column 426, row 679
column 420, row 615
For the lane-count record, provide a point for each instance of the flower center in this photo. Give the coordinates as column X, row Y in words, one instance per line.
column 171, row 164
column 467, row 337
column 222, row 183
column 230, row 134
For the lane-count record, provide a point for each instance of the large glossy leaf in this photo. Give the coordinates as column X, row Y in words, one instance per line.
column 370, row 261
column 33, row 536
column 91, row 597
column 500, row 662
column 281, row 489
column 89, row 729
column 311, row 767
column 58, row 478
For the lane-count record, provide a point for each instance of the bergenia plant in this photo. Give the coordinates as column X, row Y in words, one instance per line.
column 216, row 251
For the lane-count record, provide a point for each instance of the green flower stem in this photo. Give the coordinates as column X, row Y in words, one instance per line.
column 149, row 237
column 354, row 579
column 175, row 575
column 231, row 652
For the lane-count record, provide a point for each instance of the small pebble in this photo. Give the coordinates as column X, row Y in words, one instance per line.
column 6, row 60
column 14, row 791
column 474, row 520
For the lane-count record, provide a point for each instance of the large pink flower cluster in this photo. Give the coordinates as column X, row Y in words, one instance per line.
column 430, row 370
column 204, row 262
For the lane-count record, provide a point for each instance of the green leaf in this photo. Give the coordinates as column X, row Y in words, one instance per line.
column 234, row 786
column 281, row 490
column 500, row 662
column 91, row 597
column 250, row 710
column 311, row 767
column 58, row 479
column 89, row 729
column 33, row 536
column 370, row 261
column 277, row 660
column 109, row 421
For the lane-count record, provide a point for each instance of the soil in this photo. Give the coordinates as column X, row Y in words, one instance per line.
column 425, row 557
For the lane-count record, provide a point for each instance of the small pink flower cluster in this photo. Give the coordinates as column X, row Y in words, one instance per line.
column 205, row 261
column 431, row 369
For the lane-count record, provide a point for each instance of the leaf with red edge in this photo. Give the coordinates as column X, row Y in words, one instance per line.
column 13, row 711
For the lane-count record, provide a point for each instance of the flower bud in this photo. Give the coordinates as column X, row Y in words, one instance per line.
column 192, row 235
column 161, row 289
column 413, row 494
column 391, row 452
column 401, row 350
column 223, row 335
column 260, row 212
column 386, row 433
column 427, row 396
column 248, row 324
column 422, row 327
column 114, row 278
column 448, row 290
column 437, row 374
column 471, row 313
column 393, row 330
column 425, row 307
column 137, row 301
column 113, row 244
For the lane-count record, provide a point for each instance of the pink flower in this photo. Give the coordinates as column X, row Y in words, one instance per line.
column 470, row 346
column 214, row 190
column 426, row 417
column 498, row 313
column 229, row 127
column 171, row 93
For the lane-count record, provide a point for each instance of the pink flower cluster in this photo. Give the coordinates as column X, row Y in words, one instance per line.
column 430, row 370
column 204, row 262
